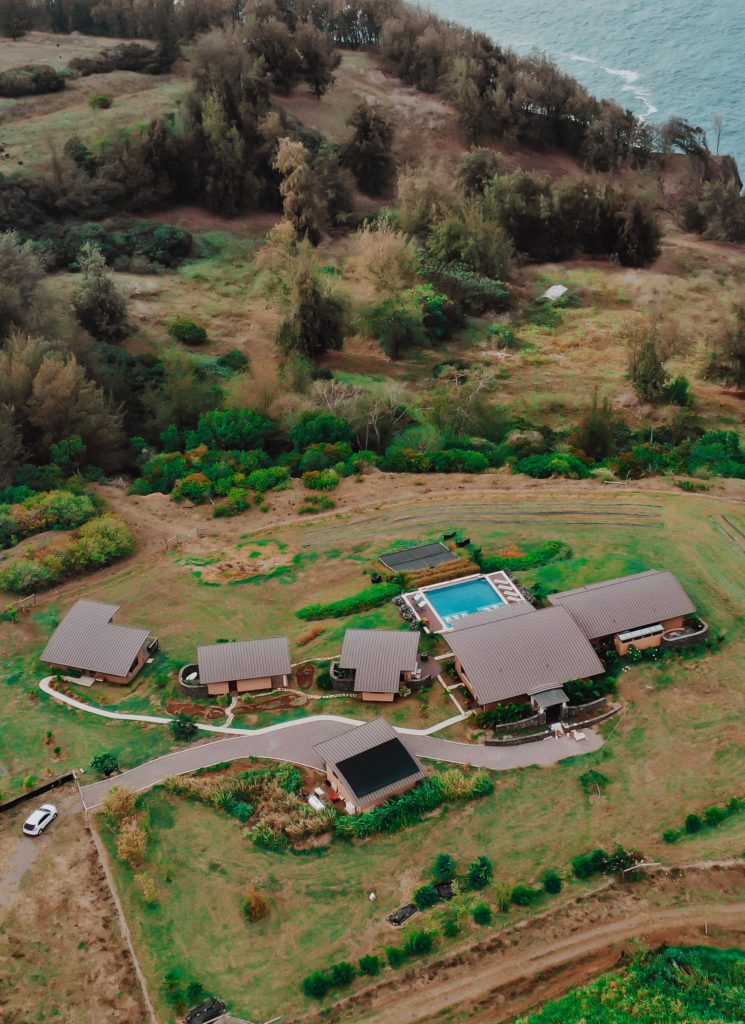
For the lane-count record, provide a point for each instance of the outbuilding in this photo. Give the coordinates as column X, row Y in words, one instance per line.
column 244, row 666
column 375, row 662
column 369, row 764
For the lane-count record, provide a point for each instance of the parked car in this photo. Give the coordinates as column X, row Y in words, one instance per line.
column 36, row 822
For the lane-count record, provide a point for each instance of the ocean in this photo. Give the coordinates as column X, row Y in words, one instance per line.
column 659, row 58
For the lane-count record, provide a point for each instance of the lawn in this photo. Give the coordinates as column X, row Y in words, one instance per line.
column 679, row 748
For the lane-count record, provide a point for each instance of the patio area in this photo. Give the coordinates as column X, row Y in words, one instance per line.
column 419, row 605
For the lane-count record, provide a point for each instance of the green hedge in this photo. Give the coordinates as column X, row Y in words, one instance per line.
column 712, row 817
column 370, row 597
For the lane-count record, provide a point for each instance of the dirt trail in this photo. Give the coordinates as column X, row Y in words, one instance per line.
column 522, row 966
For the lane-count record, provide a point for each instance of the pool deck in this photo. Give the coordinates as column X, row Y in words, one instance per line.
column 433, row 622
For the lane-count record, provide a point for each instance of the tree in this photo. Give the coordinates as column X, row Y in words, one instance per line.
column 316, row 985
column 462, row 404
column 369, row 152
column 21, row 275
column 301, row 203
column 482, row 913
column 384, row 256
column 315, row 323
column 319, row 58
column 594, row 434
column 11, row 445
column 477, row 169
column 444, row 868
column 105, row 763
column 98, row 304
column 727, row 363
column 183, row 727
column 480, row 873
column 646, row 369
column 16, row 18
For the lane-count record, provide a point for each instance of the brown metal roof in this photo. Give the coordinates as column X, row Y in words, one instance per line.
column 378, row 657
column 360, row 740
column 523, row 654
column 628, row 602
column 504, row 611
column 88, row 640
column 244, row 659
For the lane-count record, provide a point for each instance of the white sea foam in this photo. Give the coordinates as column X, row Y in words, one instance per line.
column 584, row 60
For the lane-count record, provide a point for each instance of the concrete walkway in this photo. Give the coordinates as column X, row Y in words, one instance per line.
column 295, row 742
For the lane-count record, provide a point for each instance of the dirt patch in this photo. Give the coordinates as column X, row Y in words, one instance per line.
column 176, row 707
column 272, row 702
column 60, row 942
column 305, row 676
column 243, row 568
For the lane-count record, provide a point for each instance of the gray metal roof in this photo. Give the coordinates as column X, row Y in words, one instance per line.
column 424, row 556
column 550, row 698
column 378, row 657
column 613, row 606
column 244, row 659
column 358, row 740
column 88, row 640
column 523, row 654
column 503, row 611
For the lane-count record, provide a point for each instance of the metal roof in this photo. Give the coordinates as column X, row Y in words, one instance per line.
column 363, row 739
column 244, row 659
column 629, row 602
column 424, row 556
column 378, row 657
column 88, row 640
column 550, row 698
column 523, row 654
column 502, row 611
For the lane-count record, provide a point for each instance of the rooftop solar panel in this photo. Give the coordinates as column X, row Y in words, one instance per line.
column 424, row 556
column 382, row 766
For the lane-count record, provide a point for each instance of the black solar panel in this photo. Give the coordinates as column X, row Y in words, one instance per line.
column 382, row 766
column 425, row 556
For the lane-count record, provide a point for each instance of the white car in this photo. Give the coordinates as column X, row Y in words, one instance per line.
column 35, row 824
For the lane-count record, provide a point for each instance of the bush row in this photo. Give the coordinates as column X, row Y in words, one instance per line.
column 370, row 597
column 163, row 245
column 712, row 817
column 30, row 80
column 51, row 510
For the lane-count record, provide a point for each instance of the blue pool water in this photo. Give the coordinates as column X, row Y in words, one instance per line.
column 463, row 599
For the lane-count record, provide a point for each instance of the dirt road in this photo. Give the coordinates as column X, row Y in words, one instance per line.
column 520, row 967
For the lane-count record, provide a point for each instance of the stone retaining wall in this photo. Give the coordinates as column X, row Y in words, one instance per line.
column 685, row 641
column 524, row 723
column 191, row 689
column 516, row 741
column 574, row 711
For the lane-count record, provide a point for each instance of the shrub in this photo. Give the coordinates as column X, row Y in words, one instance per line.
column 187, row 331
column 395, row 956
column 593, row 781
column 426, row 896
column 273, row 478
column 119, row 803
column 370, row 965
column 255, row 905
column 147, row 888
column 30, row 80
column 131, row 842
column 97, row 101
column 482, row 914
column 552, row 883
column 418, row 944
column 693, row 824
column 552, row 464
column 239, row 809
column 183, row 727
column 672, row 835
column 524, row 896
column 105, row 763
column 450, row 928
column 316, row 985
column 444, row 868
column 343, row 974
column 321, row 480
column 480, row 873
column 370, row 597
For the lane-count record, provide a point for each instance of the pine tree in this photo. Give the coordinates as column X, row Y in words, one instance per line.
column 98, row 304
column 369, row 152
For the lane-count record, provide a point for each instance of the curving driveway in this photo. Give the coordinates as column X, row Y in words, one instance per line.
column 295, row 742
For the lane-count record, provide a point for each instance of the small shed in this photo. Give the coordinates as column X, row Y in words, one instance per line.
column 554, row 293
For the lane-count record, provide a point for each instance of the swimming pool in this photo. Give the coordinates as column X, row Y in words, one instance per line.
column 459, row 599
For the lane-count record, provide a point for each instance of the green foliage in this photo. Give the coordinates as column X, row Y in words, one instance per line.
column 583, row 691
column 313, row 428
column 30, row 80
column 426, row 896
column 475, row 293
column 593, row 781
column 183, row 727
column 418, row 944
column 321, row 479
column 187, row 331
column 647, row 371
column 239, row 809
column 599, row 862
column 525, row 896
column 98, row 101
column 552, row 464
column 482, row 914
column 552, row 882
column 231, row 429
column 394, row 956
column 542, row 554
column 503, row 714
column 370, row 597
column 370, row 965
column 105, row 763
column 677, row 985
column 98, row 304
column 405, row 810
column 274, row 478
column 316, row 985
column 480, row 873
column 450, row 927
column 369, row 152
column 445, row 868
